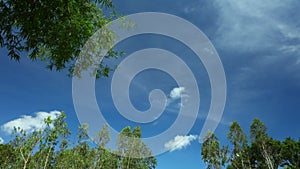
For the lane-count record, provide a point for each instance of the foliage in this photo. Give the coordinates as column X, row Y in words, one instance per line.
column 132, row 150
column 211, row 152
column 50, row 148
column 239, row 155
column 52, row 30
column 263, row 152
column 7, row 155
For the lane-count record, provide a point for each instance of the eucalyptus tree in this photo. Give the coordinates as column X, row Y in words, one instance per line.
column 104, row 157
column 239, row 154
column 290, row 152
column 7, row 156
column 213, row 155
column 261, row 151
column 36, row 148
column 133, row 152
column 50, row 148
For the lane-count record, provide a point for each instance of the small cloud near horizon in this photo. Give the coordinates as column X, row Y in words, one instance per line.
column 179, row 142
column 30, row 123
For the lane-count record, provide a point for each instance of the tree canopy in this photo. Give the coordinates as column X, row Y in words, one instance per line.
column 262, row 152
column 53, row 31
column 51, row 148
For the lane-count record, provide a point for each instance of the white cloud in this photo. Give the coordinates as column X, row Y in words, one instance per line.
column 180, row 142
column 1, row 140
column 30, row 123
column 176, row 92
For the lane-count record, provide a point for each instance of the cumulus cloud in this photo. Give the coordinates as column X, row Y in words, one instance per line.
column 30, row 123
column 176, row 92
column 1, row 140
column 180, row 142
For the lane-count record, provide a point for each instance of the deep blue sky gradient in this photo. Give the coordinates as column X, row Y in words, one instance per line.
column 258, row 43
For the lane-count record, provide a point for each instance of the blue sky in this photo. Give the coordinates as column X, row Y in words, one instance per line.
column 258, row 43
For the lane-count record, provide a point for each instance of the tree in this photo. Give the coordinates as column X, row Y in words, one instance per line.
column 50, row 148
column 133, row 152
column 211, row 152
column 290, row 152
column 103, row 136
column 239, row 154
column 7, row 156
column 261, row 149
column 36, row 149
column 104, row 158
column 263, row 152
column 52, row 30
column 24, row 145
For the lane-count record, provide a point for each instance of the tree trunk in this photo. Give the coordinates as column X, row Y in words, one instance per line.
column 267, row 158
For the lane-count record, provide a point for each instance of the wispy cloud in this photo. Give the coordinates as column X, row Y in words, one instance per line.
column 1, row 140
column 256, row 25
column 29, row 123
column 180, row 142
column 290, row 48
column 262, row 37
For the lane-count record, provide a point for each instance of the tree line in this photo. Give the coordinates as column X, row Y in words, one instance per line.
column 261, row 152
column 51, row 148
